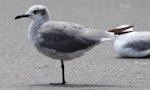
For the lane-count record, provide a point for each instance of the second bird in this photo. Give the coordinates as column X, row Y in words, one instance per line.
column 134, row 44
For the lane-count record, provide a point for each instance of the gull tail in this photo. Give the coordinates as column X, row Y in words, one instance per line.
column 120, row 29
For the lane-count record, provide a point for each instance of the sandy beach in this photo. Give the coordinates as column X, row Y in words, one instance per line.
column 23, row 68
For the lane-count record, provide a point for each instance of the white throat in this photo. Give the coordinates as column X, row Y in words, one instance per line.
column 33, row 28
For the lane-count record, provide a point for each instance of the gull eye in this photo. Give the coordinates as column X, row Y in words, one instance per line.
column 36, row 11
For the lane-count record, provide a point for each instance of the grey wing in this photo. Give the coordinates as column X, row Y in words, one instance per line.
column 139, row 45
column 64, row 38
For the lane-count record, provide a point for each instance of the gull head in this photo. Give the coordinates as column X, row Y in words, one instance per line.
column 36, row 12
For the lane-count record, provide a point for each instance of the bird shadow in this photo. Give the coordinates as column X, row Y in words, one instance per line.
column 79, row 85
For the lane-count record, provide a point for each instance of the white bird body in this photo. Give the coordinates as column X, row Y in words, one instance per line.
column 133, row 44
column 73, row 30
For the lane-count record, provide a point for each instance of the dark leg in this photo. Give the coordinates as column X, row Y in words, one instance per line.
column 63, row 75
column 63, row 72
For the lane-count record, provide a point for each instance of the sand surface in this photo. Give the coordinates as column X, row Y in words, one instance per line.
column 23, row 68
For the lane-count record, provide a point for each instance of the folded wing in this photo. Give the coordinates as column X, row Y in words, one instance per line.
column 65, row 37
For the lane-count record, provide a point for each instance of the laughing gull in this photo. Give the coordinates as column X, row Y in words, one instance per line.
column 62, row 40
column 130, row 43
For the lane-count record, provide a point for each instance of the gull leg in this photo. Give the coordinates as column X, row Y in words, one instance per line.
column 63, row 75
column 63, row 72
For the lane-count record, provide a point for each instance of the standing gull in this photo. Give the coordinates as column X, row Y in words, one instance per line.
column 133, row 44
column 62, row 40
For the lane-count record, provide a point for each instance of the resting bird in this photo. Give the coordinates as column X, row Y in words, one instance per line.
column 62, row 40
column 130, row 43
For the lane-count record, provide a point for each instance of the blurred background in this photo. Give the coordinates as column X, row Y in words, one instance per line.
column 21, row 65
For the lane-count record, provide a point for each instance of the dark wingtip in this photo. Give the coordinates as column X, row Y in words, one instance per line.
column 120, row 29
column 129, row 27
